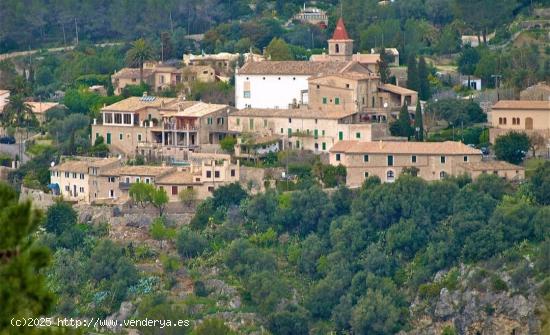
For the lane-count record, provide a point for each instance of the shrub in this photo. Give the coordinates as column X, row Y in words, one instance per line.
column 190, row 243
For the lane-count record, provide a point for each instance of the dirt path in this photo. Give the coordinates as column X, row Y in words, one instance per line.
column 59, row 49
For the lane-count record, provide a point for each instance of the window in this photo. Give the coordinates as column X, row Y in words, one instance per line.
column 324, row 100
column 67, row 174
column 67, row 188
column 120, row 136
column 265, row 123
column 341, row 135
column 315, row 121
column 111, row 194
column 466, row 158
column 282, row 130
column 74, row 175
column 297, row 144
column 108, row 138
column 232, row 172
column 337, row 157
column 289, row 120
column 318, row 87
column 316, row 146
column 147, row 180
column 337, row 47
column 137, row 179
column 251, row 123
column 315, row 133
column 216, row 174
column 358, row 135
column 208, row 174
column 118, row 118
column 139, row 137
column 390, row 176
column 108, row 117
column 336, row 101
column 174, row 190
column 322, row 133
column 289, row 131
column 366, row 174
column 324, row 146
column 82, row 176
column 365, row 158
column 210, row 189
column 442, row 175
column 127, row 119
column 219, row 121
column 127, row 180
column 442, row 159
column 81, row 190
column 347, row 85
column 209, row 120
column 413, row 158
column 238, row 122
column 112, row 179
column 390, row 160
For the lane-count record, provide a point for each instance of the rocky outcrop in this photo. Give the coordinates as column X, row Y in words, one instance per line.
column 476, row 307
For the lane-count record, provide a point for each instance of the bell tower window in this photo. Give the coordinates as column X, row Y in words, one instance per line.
column 337, row 48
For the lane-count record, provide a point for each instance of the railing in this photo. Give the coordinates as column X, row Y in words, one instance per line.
column 173, row 126
column 124, row 186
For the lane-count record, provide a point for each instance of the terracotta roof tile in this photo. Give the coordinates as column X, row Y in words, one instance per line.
column 292, row 113
column 491, row 165
column 177, row 177
column 292, row 67
column 448, row 147
column 138, row 170
column 340, row 32
column 397, row 89
column 134, row 104
column 522, row 104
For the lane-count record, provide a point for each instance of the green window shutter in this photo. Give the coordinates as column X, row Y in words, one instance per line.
column 108, row 138
column 238, row 122
column 289, row 130
column 324, row 146
column 323, row 133
column 336, row 101
column 341, row 135
column 297, row 144
column 324, row 100
column 357, row 135
column 315, row 133
column 282, row 131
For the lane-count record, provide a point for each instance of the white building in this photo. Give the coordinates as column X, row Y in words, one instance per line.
column 4, row 98
column 279, row 84
column 475, row 83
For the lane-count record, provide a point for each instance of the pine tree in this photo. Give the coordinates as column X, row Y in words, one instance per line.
column 412, row 74
column 23, row 290
column 424, row 83
column 418, row 122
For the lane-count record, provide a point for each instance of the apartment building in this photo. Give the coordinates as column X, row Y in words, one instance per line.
column 160, row 126
column 529, row 116
column 387, row 160
column 76, row 179
column 305, row 128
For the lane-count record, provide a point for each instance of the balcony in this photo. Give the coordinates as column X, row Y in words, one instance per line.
column 124, row 186
column 174, row 126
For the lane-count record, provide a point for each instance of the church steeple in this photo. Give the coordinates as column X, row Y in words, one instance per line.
column 340, row 46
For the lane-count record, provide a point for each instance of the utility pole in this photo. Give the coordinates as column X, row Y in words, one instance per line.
column 497, row 84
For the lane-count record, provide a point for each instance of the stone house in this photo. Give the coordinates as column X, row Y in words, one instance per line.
column 387, row 160
column 520, row 115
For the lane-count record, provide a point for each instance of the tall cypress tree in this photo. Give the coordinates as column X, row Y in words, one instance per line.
column 418, row 122
column 412, row 74
column 404, row 122
column 423, row 82
column 383, row 66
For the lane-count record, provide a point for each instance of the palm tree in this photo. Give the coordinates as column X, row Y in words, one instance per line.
column 140, row 52
column 18, row 114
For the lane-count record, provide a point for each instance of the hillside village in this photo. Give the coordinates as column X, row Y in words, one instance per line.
column 344, row 181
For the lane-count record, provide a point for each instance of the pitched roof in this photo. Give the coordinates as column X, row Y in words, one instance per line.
column 198, row 109
column 138, row 170
column 134, row 104
column 300, row 113
column 522, row 104
column 292, row 67
column 340, row 32
column 397, row 89
column 353, row 75
column 177, row 177
column 41, row 107
column 427, row 148
column 491, row 165
column 81, row 165
column 129, row 73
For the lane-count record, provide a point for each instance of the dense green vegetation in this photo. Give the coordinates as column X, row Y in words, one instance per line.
column 357, row 259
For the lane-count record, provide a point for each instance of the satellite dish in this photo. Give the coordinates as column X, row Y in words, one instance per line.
column 52, row 164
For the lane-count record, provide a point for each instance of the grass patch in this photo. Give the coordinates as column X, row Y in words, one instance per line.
column 38, row 148
column 532, row 164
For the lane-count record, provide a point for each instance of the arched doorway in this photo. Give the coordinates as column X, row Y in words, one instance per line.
column 528, row 123
column 390, row 176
